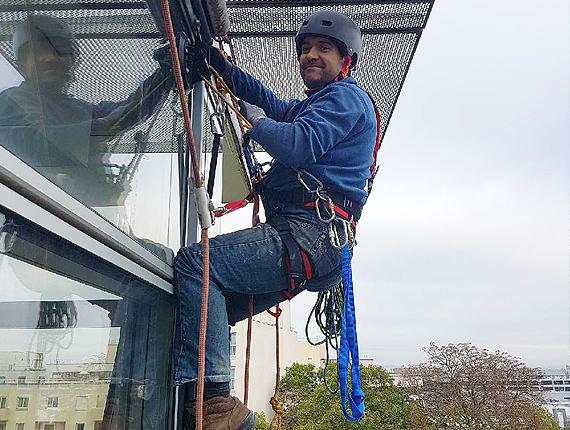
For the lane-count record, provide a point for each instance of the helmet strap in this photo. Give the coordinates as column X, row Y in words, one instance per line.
column 344, row 69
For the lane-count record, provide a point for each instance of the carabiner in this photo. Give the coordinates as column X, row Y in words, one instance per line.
column 220, row 116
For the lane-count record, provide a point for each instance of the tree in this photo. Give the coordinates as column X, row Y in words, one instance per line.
column 310, row 406
column 463, row 387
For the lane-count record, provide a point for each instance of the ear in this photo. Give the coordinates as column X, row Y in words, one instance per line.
column 345, row 67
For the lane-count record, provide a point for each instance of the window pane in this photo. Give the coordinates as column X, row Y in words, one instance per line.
column 99, row 337
column 233, row 340
column 108, row 139
column 2, row 402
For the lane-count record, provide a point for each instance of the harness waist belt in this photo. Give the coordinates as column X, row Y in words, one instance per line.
column 300, row 197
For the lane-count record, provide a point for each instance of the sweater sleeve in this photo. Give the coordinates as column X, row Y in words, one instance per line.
column 248, row 88
column 317, row 129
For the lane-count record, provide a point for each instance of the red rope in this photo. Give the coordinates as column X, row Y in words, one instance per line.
column 248, row 351
column 197, row 184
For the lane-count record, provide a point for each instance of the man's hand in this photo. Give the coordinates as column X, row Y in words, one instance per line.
column 251, row 112
column 220, row 63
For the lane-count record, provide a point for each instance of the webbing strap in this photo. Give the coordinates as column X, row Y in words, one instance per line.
column 213, row 163
column 295, row 262
column 233, row 205
column 349, row 348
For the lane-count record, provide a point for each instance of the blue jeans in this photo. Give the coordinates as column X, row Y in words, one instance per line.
column 243, row 263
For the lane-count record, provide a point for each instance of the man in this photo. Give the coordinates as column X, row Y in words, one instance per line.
column 329, row 136
column 62, row 136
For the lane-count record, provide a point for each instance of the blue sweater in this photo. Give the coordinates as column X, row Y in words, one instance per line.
column 330, row 134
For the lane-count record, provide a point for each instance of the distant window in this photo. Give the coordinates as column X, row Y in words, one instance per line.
column 567, row 388
column 52, row 402
column 2, row 425
column 2, row 402
column 233, row 343
column 233, row 379
column 97, row 425
column 567, row 382
column 101, row 399
column 22, row 380
column 558, row 388
column 545, row 382
column 22, row 403
column 547, row 388
column 80, row 426
column 41, row 379
column 558, row 382
column 81, row 403
column 49, row 426
column 19, row 426
column 2, row 382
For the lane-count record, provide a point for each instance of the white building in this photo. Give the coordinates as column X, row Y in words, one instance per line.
column 262, row 370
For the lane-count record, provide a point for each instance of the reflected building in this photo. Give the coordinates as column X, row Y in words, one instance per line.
column 35, row 395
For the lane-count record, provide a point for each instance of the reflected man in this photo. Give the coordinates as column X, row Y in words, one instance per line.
column 62, row 136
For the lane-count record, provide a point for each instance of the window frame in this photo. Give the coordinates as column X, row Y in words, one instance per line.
column 233, row 344
column 54, row 404
column 25, row 400
column 86, row 401
column 3, row 402
column 40, row 216
column 60, row 213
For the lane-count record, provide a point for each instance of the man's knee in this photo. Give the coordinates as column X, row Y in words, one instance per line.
column 188, row 260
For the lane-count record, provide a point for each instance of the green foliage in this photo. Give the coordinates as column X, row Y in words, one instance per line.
column 310, row 406
column 262, row 423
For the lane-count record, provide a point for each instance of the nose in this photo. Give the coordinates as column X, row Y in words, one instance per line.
column 46, row 53
column 313, row 53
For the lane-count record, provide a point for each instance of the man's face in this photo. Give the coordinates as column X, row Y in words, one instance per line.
column 320, row 61
column 43, row 66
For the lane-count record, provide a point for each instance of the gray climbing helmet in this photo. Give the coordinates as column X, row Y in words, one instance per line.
column 43, row 28
column 336, row 26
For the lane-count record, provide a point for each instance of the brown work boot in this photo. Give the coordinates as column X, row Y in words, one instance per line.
column 222, row 413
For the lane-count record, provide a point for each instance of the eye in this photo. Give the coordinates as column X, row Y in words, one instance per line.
column 305, row 49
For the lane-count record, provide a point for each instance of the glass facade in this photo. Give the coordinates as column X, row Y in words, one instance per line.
column 99, row 121
column 85, row 345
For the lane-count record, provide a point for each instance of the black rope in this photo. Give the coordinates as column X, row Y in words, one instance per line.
column 328, row 316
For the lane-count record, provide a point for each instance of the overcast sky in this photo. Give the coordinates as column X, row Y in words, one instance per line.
column 465, row 237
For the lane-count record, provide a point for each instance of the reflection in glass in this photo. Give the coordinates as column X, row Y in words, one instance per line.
column 84, row 345
column 96, row 149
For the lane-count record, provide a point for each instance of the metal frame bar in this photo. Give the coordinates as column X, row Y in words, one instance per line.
column 73, row 6
column 197, row 115
column 19, row 204
column 17, row 175
column 275, row 3
column 407, row 30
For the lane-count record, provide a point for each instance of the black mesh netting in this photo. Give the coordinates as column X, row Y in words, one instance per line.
column 116, row 41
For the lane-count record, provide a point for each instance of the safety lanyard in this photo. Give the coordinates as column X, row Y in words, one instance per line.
column 349, row 347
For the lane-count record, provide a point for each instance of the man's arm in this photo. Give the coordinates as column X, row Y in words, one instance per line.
column 318, row 128
column 115, row 117
column 248, row 88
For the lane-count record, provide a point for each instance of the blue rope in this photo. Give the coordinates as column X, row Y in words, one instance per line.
column 349, row 348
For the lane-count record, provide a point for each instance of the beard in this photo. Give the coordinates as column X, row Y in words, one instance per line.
column 53, row 77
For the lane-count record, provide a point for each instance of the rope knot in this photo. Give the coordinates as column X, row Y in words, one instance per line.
column 278, row 409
